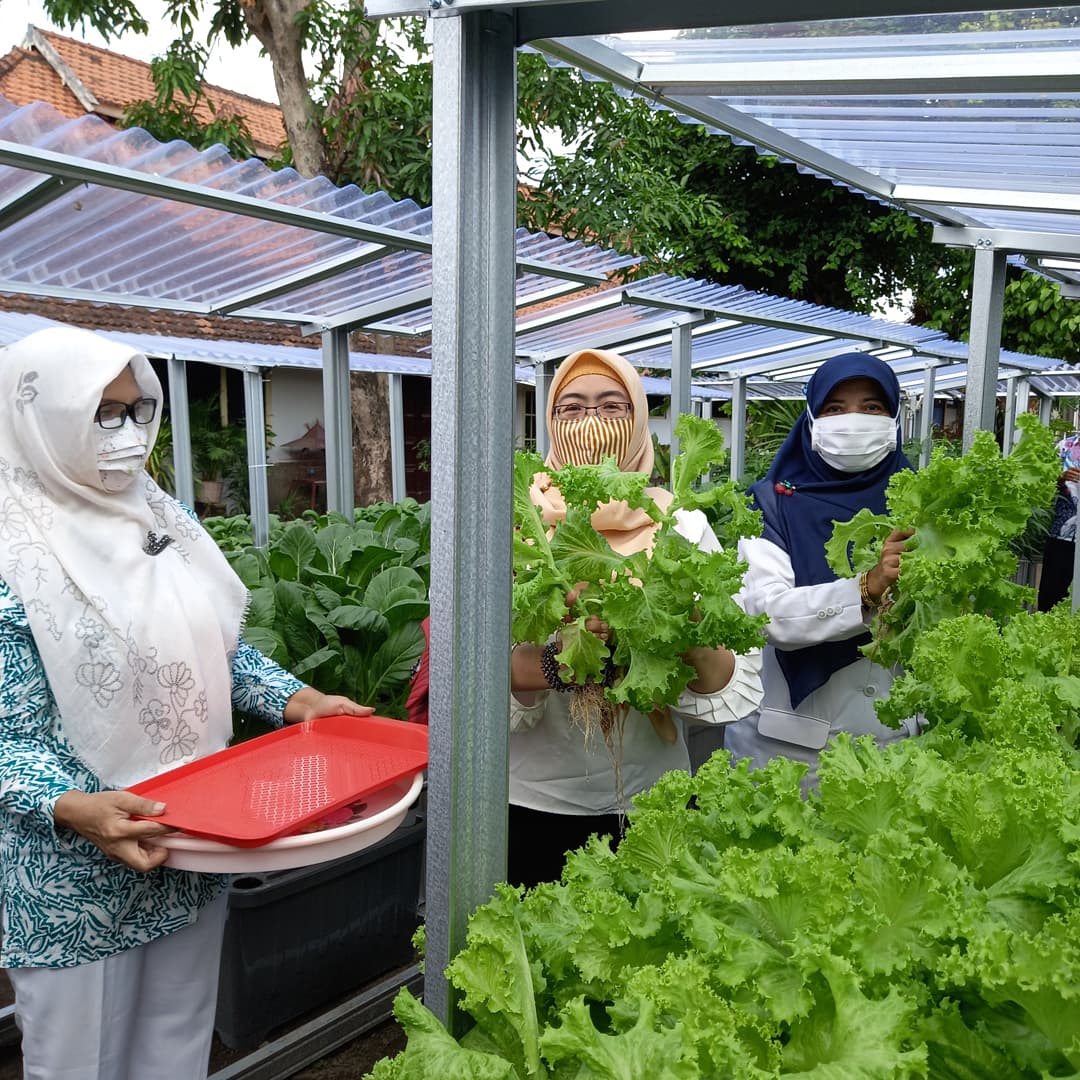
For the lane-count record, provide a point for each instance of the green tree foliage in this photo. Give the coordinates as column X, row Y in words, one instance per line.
column 376, row 110
column 173, row 114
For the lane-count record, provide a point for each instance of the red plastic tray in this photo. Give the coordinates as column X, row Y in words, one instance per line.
column 275, row 784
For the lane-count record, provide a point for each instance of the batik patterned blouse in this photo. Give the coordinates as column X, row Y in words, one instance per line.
column 64, row 902
column 1063, row 526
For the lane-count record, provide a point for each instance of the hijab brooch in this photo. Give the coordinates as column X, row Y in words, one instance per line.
column 782, row 487
column 156, row 544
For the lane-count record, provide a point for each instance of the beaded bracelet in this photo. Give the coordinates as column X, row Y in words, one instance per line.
column 549, row 666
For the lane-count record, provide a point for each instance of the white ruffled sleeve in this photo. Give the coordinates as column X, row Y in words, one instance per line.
column 744, row 691
column 739, row 698
column 524, row 717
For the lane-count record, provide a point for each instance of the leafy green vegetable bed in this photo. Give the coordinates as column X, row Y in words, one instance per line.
column 339, row 604
column 917, row 916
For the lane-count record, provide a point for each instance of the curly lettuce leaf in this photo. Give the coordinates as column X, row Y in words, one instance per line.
column 965, row 511
column 657, row 605
column 956, row 1051
column 591, row 486
column 731, row 1040
column 580, row 552
column 433, row 1051
column 500, row 983
column 849, row 1036
column 647, row 1051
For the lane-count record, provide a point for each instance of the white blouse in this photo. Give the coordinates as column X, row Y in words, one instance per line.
column 551, row 768
column 798, row 617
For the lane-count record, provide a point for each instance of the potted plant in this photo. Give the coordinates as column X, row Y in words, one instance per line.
column 218, row 453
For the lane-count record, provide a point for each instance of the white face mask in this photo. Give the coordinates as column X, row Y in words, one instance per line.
column 121, row 454
column 853, row 442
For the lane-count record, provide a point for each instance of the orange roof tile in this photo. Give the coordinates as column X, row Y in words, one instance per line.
column 25, row 77
column 115, row 82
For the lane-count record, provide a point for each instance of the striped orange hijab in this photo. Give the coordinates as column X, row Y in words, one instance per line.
column 626, row 530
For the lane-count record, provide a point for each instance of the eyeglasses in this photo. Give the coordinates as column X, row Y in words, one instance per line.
column 608, row 410
column 113, row 414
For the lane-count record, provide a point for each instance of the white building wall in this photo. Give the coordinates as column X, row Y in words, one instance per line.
column 294, row 403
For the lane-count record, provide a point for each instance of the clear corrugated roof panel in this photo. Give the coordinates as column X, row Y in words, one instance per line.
column 1023, row 361
column 606, row 327
column 735, row 332
column 134, row 220
column 1056, row 385
column 729, row 325
column 736, row 345
column 970, row 128
column 735, row 302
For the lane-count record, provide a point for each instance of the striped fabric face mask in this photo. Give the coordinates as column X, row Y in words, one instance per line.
column 591, row 439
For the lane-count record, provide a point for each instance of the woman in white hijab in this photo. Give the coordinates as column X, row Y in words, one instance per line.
column 564, row 786
column 120, row 657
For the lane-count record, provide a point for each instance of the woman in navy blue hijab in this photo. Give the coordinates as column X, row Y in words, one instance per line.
column 837, row 459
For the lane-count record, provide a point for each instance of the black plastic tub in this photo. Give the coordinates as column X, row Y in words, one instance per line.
column 297, row 940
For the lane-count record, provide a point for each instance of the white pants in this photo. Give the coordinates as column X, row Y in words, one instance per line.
column 146, row 1014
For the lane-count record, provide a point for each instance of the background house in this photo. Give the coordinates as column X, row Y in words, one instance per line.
column 78, row 80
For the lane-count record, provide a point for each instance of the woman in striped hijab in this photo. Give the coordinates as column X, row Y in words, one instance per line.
column 564, row 786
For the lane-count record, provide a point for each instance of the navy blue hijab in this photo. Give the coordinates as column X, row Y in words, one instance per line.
column 801, row 522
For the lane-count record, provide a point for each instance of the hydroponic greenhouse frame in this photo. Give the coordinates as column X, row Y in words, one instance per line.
column 998, row 203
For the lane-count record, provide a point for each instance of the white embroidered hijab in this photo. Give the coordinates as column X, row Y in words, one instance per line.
column 136, row 633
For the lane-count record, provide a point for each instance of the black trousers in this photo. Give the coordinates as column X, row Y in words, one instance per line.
column 538, row 841
column 1057, row 572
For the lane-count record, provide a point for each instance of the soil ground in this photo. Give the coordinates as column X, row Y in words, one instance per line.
column 350, row 1062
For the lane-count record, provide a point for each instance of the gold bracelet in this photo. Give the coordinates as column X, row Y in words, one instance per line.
column 864, row 593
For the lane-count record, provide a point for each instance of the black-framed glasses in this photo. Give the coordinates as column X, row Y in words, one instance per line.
column 607, row 410
column 113, row 414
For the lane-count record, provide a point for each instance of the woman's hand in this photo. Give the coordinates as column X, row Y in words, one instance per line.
column 883, row 576
column 593, row 624
column 309, row 704
column 526, row 660
column 714, row 668
column 104, row 818
column 1069, row 476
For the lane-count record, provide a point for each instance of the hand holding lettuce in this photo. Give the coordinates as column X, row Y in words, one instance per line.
column 965, row 513
column 657, row 606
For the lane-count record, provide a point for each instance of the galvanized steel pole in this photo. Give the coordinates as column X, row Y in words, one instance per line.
column 255, row 420
column 737, row 450
column 984, row 343
column 681, row 346
column 180, row 420
column 337, row 421
column 544, row 373
column 397, row 438
column 926, row 415
column 474, row 195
